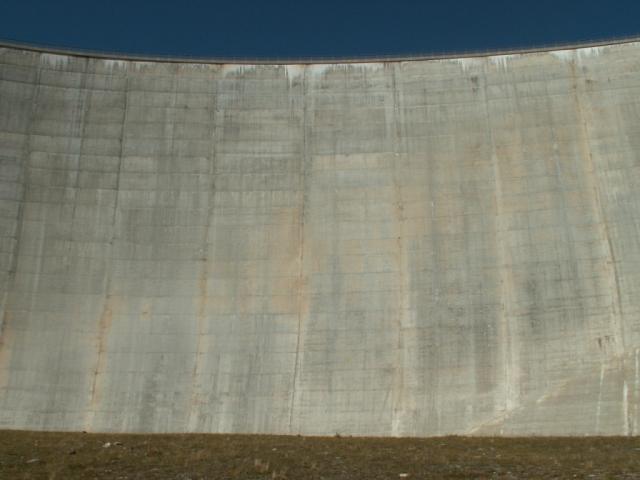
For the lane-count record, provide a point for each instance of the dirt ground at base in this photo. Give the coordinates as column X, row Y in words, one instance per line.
column 35, row 455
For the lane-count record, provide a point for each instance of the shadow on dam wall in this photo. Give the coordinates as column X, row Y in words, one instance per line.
column 399, row 248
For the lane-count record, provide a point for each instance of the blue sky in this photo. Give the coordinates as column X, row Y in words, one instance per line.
column 322, row 28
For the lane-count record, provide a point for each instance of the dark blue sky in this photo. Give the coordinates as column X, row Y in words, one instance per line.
column 321, row 28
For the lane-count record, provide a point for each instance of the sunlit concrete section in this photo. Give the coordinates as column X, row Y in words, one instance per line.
column 421, row 247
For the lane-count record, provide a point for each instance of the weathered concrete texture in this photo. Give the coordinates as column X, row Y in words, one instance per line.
column 401, row 248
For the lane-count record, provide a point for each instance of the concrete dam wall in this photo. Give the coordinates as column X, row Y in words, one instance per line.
column 404, row 248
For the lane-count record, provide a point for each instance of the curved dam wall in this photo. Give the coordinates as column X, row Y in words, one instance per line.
column 403, row 248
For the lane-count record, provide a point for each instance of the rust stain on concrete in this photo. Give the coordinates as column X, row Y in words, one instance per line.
column 6, row 340
column 104, row 327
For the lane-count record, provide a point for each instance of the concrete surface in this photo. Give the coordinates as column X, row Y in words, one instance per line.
column 402, row 248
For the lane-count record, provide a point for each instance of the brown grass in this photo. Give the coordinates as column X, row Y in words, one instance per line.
column 31, row 455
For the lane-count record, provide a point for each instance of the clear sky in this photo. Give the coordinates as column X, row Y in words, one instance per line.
column 319, row 28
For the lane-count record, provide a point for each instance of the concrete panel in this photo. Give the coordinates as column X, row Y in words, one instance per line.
column 420, row 247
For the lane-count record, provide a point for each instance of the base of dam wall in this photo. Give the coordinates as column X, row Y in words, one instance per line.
column 398, row 248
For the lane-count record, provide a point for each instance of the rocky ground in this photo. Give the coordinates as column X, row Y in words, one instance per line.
column 27, row 455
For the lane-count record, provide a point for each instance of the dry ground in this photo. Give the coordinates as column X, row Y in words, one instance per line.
column 89, row 456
